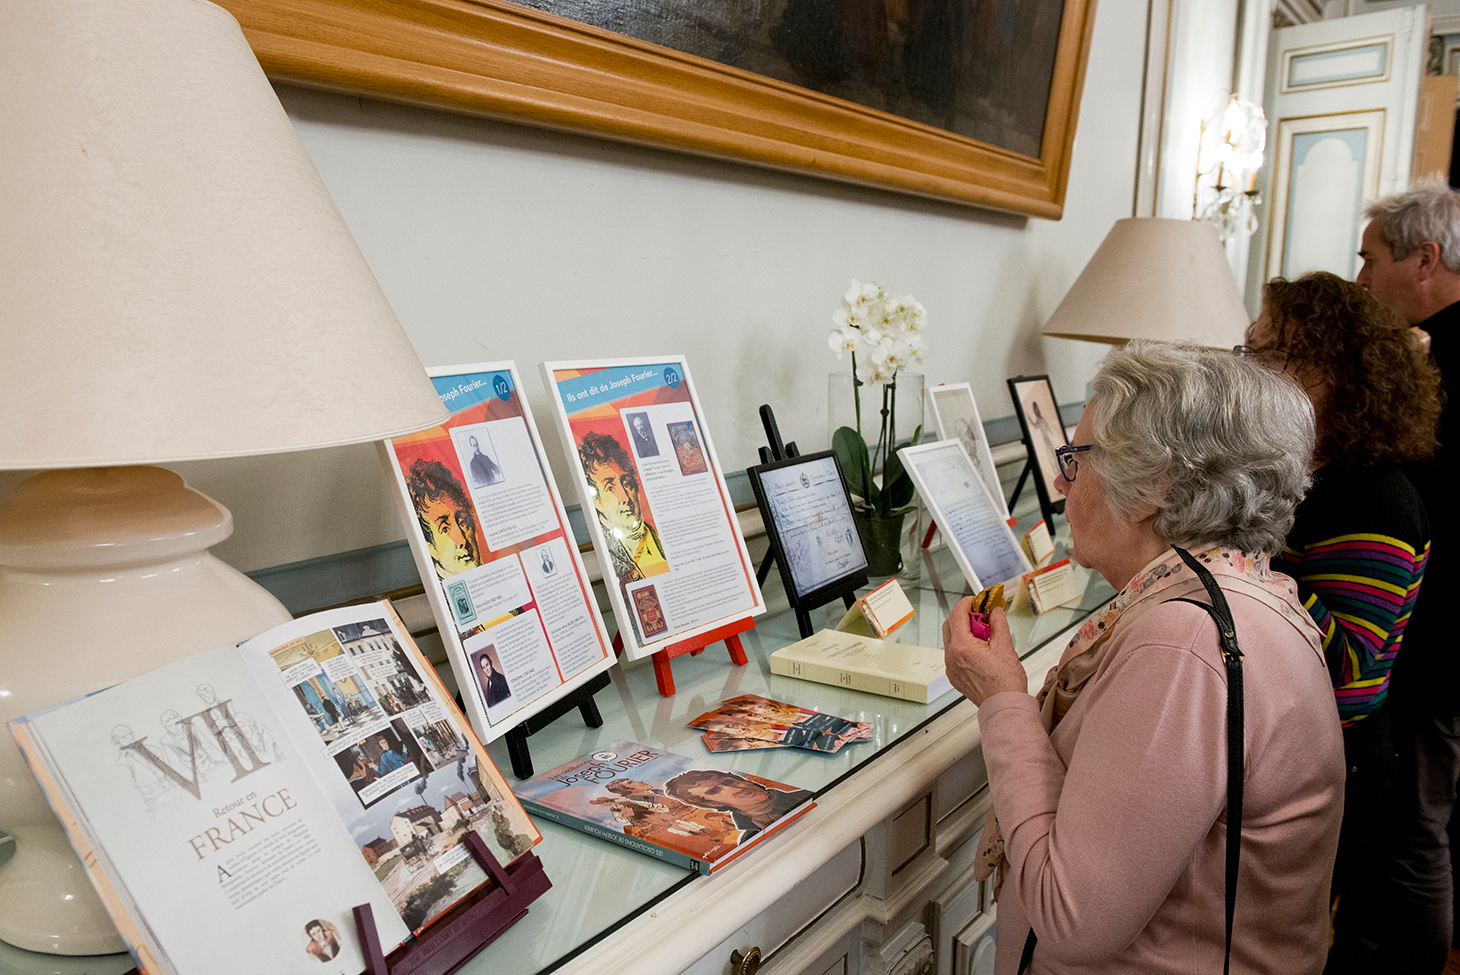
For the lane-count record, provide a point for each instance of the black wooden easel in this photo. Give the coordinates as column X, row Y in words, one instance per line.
column 579, row 697
column 777, row 452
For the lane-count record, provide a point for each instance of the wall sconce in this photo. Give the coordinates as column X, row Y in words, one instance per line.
column 1232, row 142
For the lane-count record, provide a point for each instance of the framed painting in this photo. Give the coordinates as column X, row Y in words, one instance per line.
column 968, row 101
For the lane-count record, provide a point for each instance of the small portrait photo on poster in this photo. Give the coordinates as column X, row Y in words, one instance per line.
column 479, row 457
column 447, row 520
column 641, row 434
column 650, row 613
column 323, row 940
column 487, row 666
column 687, row 449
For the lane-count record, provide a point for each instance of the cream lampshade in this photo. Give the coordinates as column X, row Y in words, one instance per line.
column 175, row 284
column 1155, row 279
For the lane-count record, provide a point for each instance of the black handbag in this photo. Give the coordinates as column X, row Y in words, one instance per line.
column 1232, row 657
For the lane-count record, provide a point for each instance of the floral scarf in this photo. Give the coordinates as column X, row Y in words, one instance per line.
column 1165, row 578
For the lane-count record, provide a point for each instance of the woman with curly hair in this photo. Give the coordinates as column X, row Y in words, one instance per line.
column 1357, row 549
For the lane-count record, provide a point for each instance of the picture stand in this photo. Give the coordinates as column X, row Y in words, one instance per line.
column 694, row 646
column 775, row 451
column 1044, row 432
column 580, row 698
column 813, row 537
column 462, row 932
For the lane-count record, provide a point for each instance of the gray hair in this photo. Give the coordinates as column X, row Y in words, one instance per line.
column 1428, row 210
column 1218, row 444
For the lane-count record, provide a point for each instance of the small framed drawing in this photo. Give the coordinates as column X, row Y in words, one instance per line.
column 808, row 522
column 492, row 542
column 1044, row 433
column 956, row 415
column 658, row 510
column 966, row 512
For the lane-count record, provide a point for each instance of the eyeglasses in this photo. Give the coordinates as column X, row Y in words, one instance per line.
column 1069, row 467
column 1273, row 359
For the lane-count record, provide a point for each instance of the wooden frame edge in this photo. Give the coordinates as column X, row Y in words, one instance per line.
column 498, row 60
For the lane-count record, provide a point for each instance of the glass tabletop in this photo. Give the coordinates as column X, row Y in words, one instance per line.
column 598, row 886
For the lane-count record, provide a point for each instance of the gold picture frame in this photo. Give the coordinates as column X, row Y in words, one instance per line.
column 500, row 60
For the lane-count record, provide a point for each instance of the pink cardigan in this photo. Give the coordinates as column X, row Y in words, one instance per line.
column 1115, row 825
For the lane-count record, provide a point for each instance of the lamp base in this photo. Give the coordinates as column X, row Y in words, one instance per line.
column 104, row 575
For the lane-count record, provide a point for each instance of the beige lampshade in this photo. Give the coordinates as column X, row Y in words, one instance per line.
column 175, row 280
column 1155, row 279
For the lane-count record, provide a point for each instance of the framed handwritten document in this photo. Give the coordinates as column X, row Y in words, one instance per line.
column 808, row 520
column 492, row 542
column 657, row 507
column 968, row 515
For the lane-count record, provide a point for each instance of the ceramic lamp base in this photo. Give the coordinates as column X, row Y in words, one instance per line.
column 104, row 575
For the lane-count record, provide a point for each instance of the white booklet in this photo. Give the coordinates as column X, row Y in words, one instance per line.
column 233, row 807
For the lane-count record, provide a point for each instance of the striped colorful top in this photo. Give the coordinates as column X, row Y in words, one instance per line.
column 1357, row 550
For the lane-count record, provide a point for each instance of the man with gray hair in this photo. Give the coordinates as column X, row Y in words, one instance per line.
column 1411, row 254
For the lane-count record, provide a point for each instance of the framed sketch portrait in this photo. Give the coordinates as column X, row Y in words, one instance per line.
column 1044, row 433
column 956, row 416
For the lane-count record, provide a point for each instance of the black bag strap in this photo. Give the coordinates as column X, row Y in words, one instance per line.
column 1221, row 614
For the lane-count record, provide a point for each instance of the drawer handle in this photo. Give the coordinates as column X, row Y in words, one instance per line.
column 746, row 964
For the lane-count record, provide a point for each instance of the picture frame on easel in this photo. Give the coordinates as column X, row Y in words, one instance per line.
column 1044, row 433
column 808, row 519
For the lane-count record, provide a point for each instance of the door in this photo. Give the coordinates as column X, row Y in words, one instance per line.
column 1342, row 98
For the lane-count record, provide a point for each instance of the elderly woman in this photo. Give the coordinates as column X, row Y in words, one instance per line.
column 1357, row 550
column 1110, row 789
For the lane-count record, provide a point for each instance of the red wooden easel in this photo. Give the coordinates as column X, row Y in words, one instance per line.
column 694, row 646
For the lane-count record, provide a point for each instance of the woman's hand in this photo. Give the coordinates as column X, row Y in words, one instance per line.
column 977, row 669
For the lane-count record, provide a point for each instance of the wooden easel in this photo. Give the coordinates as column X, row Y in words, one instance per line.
column 462, row 932
column 694, row 646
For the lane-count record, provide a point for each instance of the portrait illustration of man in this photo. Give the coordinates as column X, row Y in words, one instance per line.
column 494, row 682
column 445, row 515
column 613, row 483
column 752, row 805
column 643, row 435
column 484, row 470
column 324, row 942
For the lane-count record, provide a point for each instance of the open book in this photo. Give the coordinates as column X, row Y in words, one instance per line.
column 233, row 807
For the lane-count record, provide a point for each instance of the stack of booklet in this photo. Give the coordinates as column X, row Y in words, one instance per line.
column 750, row 721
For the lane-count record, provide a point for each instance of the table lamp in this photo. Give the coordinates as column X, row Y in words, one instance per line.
column 1153, row 278
column 175, row 284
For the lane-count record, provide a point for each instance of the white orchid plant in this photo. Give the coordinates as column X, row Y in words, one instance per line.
column 884, row 334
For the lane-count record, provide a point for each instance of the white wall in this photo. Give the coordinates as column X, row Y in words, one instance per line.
column 497, row 241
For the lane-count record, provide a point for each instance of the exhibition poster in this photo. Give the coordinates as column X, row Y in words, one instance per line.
column 492, row 542
column 655, row 500
column 966, row 513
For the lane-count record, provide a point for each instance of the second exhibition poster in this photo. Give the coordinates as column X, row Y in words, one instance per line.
column 655, row 500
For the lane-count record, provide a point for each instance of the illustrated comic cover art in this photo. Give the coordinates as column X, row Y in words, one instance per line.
column 663, row 804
